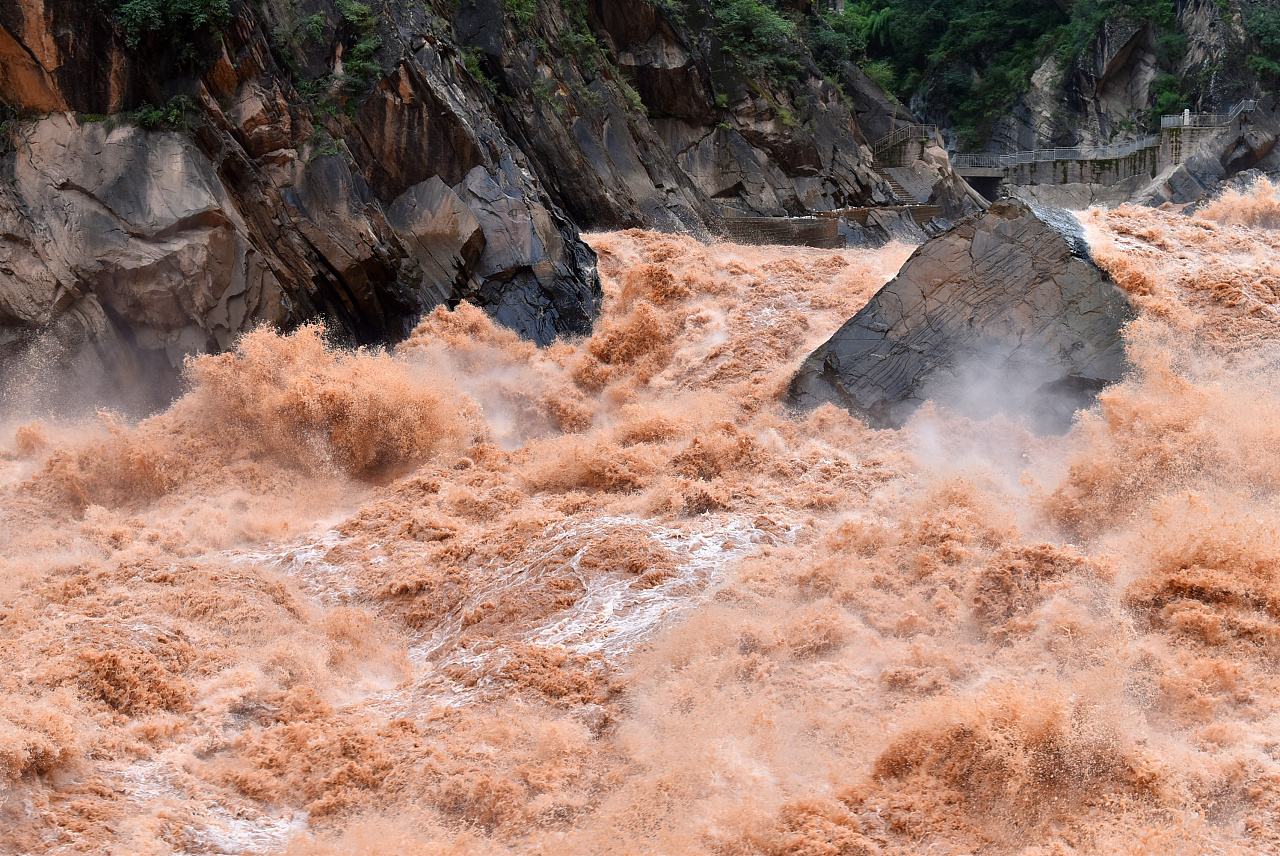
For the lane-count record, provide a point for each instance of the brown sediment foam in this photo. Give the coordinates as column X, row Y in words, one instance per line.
column 286, row 402
column 1257, row 205
column 607, row 596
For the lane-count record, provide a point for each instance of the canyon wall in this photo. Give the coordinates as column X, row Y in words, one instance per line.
column 1111, row 90
column 169, row 185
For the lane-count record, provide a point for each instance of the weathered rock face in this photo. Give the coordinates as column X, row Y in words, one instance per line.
column 1105, row 94
column 1250, row 144
column 1005, row 312
column 125, row 241
column 44, row 63
column 145, row 246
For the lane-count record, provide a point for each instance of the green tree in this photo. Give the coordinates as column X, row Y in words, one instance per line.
column 756, row 37
column 977, row 56
column 1263, row 23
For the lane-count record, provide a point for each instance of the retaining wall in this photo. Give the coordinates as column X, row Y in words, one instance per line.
column 821, row 232
column 1109, row 171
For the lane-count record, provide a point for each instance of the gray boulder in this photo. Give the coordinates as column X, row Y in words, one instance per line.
column 1003, row 313
column 125, row 242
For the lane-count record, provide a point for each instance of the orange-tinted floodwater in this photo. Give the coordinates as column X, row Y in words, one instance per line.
column 611, row 597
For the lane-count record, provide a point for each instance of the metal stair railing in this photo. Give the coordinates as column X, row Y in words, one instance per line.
column 901, row 135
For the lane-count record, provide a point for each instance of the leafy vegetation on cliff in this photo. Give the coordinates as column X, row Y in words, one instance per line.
column 1262, row 20
column 977, row 56
column 178, row 23
column 757, row 36
column 360, row 62
column 969, row 58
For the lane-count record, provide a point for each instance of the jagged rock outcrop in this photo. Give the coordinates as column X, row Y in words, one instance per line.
column 149, row 245
column 362, row 163
column 136, row 226
column 1004, row 312
column 1104, row 95
column 661, row 128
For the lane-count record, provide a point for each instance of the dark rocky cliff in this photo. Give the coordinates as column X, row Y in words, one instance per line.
column 165, row 190
column 365, row 208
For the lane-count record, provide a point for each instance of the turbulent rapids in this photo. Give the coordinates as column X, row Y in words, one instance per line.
column 611, row 596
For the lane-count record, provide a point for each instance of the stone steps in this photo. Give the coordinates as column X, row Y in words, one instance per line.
column 903, row 195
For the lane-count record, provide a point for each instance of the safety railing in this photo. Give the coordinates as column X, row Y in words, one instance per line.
column 977, row 160
column 983, row 160
column 1084, row 153
column 1208, row 120
column 980, row 160
column 1246, row 106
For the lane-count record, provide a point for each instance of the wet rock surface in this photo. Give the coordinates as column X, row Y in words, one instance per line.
column 1003, row 313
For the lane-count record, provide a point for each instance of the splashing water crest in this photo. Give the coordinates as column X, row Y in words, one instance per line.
column 608, row 596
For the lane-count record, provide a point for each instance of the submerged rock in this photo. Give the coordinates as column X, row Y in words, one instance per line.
column 1005, row 312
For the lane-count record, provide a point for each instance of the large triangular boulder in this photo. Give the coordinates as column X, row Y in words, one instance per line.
column 1005, row 312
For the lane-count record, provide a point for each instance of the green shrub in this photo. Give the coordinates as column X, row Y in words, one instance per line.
column 1167, row 95
column 360, row 65
column 472, row 60
column 545, row 91
column 756, row 37
column 323, row 144
column 979, row 55
column 673, row 9
column 318, row 95
column 174, row 115
column 579, row 42
column 1088, row 16
column 882, row 73
column 634, row 101
column 312, row 29
column 1264, row 67
column 523, row 12
column 1263, row 25
column 845, row 36
column 179, row 22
